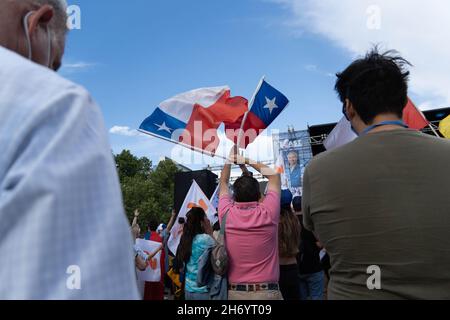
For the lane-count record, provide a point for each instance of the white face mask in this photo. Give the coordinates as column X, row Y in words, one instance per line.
column 27, row 36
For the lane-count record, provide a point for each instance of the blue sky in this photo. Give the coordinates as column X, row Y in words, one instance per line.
column 131, row 55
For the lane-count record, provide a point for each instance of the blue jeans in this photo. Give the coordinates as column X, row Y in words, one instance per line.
column 196, row 296
column 312, row 286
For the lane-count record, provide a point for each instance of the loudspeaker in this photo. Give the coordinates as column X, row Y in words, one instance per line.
column 183, row 181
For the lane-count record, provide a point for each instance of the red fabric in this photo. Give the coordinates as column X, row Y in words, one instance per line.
column 226, row 109
column 155, row 290
column 413, row 117
column 253, row 127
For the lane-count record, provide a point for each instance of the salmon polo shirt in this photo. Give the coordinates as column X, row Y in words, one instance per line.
column 251, row 238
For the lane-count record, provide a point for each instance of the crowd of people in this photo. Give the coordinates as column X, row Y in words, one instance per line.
column 264, row 234
column 373, row 221
column 370, row 219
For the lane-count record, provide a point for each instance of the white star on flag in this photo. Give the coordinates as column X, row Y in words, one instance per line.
column 271, row 104
column 163, row 127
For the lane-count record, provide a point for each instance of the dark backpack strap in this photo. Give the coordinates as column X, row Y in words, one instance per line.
column 223, row 224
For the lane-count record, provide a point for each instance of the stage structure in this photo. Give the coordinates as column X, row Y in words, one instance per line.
column 293, row 150
column 319, row 133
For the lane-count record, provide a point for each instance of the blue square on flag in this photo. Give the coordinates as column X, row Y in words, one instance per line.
column 162, row 124
column 268, row 103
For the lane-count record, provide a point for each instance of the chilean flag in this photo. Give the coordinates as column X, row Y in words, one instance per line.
column 193, row 117
column 267, row 105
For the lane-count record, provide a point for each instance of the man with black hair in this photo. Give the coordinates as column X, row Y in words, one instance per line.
column 380, row 204
column 251, row 232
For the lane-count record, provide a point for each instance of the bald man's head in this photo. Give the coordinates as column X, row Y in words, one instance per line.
column 45, row 21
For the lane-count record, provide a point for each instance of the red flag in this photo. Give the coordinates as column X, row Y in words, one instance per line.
column 413, row 117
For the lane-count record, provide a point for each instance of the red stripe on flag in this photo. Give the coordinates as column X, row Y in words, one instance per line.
column 252, row 128
column 413, row 117
column 201, row 130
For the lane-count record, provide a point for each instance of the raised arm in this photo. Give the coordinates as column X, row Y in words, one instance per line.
column 245, row 171
column 225, row 176
column 150, row 256
column 273, row 177
column 172, row 220
column 225, row 180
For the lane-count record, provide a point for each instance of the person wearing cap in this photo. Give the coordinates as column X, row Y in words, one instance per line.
column 288, row 245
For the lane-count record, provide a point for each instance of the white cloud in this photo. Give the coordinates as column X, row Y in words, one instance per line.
column 124, row 131
column 430, row 105
column 311, row 67
column 69, row 68
column 315, row 69
column 417, row 29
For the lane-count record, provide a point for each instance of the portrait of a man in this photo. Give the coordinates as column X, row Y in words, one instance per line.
column 294, row 170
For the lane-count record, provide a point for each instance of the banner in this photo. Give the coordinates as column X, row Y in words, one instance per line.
column 341, row 135
column 195, row 198
column 153, row 271
column 215, row 198
column 280, row 168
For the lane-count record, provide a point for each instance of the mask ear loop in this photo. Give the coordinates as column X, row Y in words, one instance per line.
column 27, row 34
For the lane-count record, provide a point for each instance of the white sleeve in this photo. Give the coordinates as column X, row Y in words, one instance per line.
column 63, row 231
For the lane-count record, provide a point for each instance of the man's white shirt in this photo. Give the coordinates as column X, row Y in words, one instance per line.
column 63, row 231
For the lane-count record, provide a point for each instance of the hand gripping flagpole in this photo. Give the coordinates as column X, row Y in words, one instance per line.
column 244, row 120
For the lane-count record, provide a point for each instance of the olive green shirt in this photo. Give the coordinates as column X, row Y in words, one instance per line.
column 383, row 200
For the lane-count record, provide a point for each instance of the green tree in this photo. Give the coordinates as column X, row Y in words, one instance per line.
column 130, row 166
column 149, row 191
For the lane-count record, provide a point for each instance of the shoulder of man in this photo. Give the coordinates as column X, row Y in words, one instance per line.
column 31, row 86
column 35, row 99
column 331, row 158
column 16, row 67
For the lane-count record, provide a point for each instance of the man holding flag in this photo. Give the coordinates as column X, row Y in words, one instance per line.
column 381, row 193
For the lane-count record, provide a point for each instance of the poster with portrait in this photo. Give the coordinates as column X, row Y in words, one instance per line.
column 293, row 155
column 292, row 177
